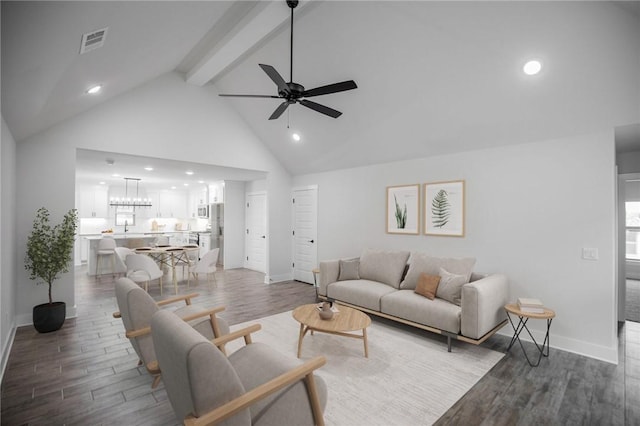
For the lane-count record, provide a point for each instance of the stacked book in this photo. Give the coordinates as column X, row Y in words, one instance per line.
column 532, row 306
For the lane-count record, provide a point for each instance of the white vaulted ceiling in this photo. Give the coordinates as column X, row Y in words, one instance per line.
column 433, row 77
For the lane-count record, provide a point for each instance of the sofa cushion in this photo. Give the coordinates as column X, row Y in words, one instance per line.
column 423, row 263
column 361, row 292
column 427, row 285
column 450, row 287
column 349, row 270
column 437, row 313
column 383, row 266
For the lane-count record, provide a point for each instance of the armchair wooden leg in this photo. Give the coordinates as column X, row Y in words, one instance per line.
column 156, row 381
column 314, row 399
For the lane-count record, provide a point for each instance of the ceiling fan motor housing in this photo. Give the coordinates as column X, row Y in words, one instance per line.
column 295, row 91
column 292, row 3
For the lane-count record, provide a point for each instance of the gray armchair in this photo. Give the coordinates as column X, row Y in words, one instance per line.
column 137, row 308
column 253, row 386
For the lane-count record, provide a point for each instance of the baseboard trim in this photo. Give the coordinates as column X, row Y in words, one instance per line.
column 271, row 279
column 578, row 347
column 8, row 344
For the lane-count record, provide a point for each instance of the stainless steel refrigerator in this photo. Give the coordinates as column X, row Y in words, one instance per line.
column 216, row 223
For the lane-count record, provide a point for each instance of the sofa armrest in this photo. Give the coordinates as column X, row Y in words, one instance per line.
column 329, row 271
column 483, row 305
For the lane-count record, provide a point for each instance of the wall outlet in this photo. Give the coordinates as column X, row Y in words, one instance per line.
column 590, row 253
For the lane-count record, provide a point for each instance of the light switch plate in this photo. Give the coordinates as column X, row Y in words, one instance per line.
column 590, row 253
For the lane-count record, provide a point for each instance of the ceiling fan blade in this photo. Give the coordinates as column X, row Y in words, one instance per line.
column 321, row 108
column 276, row 77
column 278, row 112
column 250, row 96
column 330, row 88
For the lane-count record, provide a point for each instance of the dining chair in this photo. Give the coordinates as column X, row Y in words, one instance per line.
column 136, row 307
column 189, row 258
column 106, row 248
column 255, row 385
column 207, row 265
column 121, row 257
column 142, row 269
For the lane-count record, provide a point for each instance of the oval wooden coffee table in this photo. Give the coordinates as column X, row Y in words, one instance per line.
column 344, row 321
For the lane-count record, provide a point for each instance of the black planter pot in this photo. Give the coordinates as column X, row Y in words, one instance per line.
column 49, row 317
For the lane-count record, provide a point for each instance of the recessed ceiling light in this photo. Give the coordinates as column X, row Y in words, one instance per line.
column 200, row 181
column 149, row 169
column 94, row 89
column 296, row 137
column 189, row 172
column 532, row 67
column 185, row 184
column 102, row 183
column 173, row 187
column 115, row 175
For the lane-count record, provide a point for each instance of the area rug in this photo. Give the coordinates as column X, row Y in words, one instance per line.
column 408, row 379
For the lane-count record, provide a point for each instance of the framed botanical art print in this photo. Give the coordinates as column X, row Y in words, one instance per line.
column 403, row 209
column 444, row 208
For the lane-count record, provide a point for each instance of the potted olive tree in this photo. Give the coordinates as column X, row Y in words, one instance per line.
column 49, row 252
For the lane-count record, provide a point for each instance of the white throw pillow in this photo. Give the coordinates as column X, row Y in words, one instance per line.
column 450, row 286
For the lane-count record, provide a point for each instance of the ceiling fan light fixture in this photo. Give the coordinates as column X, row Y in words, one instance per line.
column 93, row 90
column 296, row 136
column 532, row 67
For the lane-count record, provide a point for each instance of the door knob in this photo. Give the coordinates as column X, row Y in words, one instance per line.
column 263, row 236
column 311, row 241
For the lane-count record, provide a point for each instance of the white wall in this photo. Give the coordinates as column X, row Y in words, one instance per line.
column 234, row 224
column 8, row 255
column 530, row 209
column 165, row 117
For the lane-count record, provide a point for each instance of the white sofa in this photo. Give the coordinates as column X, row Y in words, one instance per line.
column 467, row 306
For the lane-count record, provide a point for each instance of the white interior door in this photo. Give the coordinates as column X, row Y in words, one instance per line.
column 256, row 232
column 305, row 233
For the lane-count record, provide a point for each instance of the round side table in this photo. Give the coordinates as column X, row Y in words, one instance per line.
column 548, row 315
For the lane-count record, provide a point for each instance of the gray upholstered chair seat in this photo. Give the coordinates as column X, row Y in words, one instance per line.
column 200, row 380
column 288, row 407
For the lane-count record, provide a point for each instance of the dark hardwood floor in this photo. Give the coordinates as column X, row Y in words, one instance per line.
column 86, row 373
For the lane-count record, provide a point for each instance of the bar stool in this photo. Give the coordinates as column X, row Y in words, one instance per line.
column 106, row 247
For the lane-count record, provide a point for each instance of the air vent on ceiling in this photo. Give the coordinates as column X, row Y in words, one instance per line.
column 93, row 40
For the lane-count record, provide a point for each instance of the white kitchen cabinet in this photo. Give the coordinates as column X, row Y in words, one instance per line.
column 197, row 197
column 216, row 192
column 168, row 204
column 92, row 201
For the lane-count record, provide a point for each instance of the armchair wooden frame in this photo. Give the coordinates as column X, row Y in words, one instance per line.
column 152, row 367
column 302, row 372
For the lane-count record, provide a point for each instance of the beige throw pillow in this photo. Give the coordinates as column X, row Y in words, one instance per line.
column 349, row 270
column 421, row 262
column 450, row 286
column 427, row 285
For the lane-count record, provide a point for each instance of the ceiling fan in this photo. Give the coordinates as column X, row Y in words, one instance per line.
column 295, row 93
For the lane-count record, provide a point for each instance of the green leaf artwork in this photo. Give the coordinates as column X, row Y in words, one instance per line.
column 401, row 215
column 440, row 209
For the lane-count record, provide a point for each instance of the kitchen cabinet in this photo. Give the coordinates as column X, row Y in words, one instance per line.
column 92, row 201
column 197, row 197
column 216, row 192
column 168, row 204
